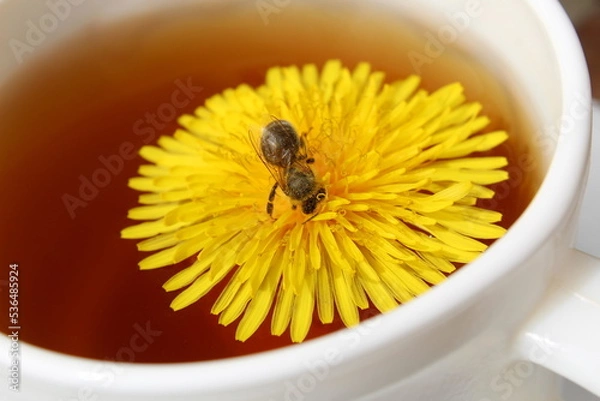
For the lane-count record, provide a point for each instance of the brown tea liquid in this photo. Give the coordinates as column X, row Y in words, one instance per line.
column 93, row 103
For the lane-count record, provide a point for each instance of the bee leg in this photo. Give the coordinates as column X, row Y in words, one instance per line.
column 271, row 198
column 308, row 160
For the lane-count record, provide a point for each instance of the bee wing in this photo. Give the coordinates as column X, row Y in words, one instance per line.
column 276, row 172
column 302, row 138
column 301, row 165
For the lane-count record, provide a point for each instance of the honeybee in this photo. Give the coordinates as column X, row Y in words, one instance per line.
column 284, row 153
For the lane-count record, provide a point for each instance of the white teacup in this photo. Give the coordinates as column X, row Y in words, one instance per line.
column 507, row 326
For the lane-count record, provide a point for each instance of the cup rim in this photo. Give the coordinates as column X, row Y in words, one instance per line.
column 248, row 371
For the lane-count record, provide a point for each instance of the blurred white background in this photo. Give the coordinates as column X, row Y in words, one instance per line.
column 585, row 15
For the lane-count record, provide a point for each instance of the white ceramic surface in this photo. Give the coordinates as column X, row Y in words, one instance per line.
column 529, row 298
column 588, row 234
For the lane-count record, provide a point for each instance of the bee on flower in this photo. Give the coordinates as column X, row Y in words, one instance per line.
column 357, row 193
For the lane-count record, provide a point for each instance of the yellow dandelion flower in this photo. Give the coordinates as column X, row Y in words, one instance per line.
column 392, row 185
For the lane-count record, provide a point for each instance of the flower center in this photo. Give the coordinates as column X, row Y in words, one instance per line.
column 329, row 190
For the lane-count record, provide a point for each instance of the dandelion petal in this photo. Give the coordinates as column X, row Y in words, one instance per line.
column 401, row 172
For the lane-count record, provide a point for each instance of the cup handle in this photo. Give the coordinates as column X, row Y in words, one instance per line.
column 564, row 333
